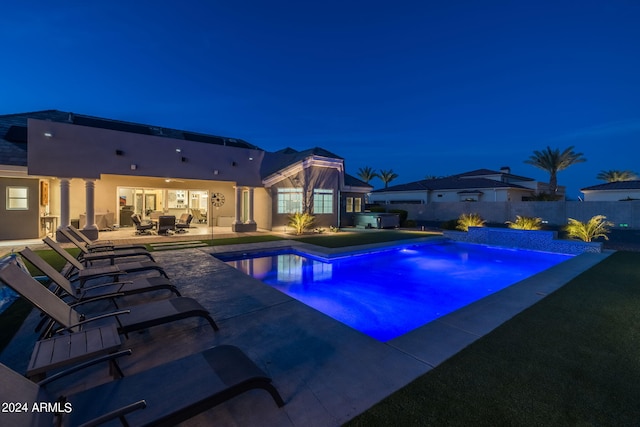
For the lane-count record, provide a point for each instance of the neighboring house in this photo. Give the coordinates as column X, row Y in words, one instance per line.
column 479, row 185
column 612, row 191
column 58, row 167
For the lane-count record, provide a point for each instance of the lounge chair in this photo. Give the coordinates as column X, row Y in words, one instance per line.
column 135, row 286
column 161, row 396
column 145, row 227
column 132, row 319
column 100, row 245
column 184, row 223
column 87, row 256
column 84, row 273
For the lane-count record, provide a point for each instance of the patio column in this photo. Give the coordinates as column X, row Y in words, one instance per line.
column 90, row 229
column 64, row 208
column 238, row 205
column 250, row 207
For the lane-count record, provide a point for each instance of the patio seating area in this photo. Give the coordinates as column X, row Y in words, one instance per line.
column 326, row 372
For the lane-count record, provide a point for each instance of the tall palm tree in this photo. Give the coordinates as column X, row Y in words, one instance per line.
column 617, row 175
column 553, row 161
column 387, row 176
column 367, row 174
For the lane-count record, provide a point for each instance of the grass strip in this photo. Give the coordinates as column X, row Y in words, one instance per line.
column 571, row 359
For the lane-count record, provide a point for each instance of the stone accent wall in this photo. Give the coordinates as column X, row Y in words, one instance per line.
column 523, row 239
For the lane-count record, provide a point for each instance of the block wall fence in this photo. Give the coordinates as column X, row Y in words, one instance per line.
column 622, row 214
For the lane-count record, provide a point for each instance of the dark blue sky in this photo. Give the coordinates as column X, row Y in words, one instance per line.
column 423, row 88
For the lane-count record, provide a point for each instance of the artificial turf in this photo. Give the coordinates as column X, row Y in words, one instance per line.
column 571, row 359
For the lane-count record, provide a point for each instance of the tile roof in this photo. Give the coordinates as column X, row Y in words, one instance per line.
column 352, row 181
column 14, row 152
column 450, row 183
column 484, row 172
column 618, row 185
column 281, row 159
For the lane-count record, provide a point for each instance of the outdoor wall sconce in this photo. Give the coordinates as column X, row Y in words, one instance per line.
column 119, row 153
column 48, row 134
column 134, row 166
column 178, row 150
column 216, row 172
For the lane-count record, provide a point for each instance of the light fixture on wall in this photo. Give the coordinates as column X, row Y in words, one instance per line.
column 234, row 164
column 216, row 172
column 119, row 153
column 134, row 166
column 183, row 159
column 178, row 150
column 48, row 134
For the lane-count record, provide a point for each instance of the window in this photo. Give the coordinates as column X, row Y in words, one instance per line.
column 322, row 201
column 357, row 205
column 354, row 204
column 17, row 198
column 289, row 200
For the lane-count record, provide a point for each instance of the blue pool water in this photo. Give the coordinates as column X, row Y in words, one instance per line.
column 389, row 293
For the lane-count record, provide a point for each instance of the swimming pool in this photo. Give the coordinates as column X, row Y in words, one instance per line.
column 388, row 293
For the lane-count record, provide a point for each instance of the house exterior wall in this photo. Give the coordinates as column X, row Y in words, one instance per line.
column 20, row 224
column 73, row 151
column 347, row 219
column 622, row 214
column 308, row 179
column 447, row 196
column 611, row 195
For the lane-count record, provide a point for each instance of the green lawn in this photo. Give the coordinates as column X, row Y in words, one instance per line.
column 571, row 359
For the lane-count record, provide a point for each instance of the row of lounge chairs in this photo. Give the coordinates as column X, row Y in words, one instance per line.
column 163, row 395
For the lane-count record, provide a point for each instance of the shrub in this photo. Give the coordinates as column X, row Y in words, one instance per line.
column 410, row 223
column 451, row 224
column 301, row 222
column 469, row 220
column 402, row 213
column 525, row 223
column 596, row 227
column 544, row 197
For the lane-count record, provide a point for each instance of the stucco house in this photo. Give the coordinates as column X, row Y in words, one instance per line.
column 59, row 167
column 484, row 185
column 612, row 191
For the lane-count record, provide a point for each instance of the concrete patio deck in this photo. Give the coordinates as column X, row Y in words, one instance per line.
column 326, row 372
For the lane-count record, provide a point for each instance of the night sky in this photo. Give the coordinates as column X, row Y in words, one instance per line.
column 423, row 88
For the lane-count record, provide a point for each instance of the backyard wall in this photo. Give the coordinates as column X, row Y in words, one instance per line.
column 555, row 213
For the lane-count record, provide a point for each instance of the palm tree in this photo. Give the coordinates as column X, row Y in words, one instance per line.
column 367, row 174
column 387, row 176
column 553, row 161
column 617, row 175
